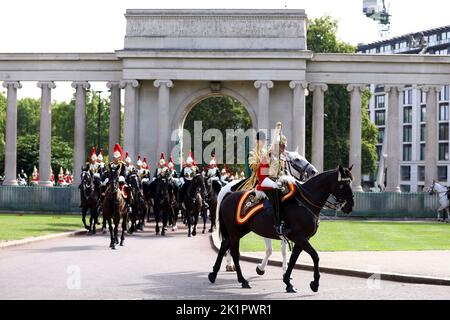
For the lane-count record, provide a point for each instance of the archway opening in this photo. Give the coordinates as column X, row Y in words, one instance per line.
column 220, row 126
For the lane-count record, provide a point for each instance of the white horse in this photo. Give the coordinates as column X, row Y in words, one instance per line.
column 297, row 167
column 443, row 200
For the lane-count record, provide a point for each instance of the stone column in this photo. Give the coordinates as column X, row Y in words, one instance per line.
column 355, row 134
column 130, row 116
column 317, row 124
column 45, row 147
column 80, row 128
column 393, row 136
column 163, row 114
column 263, row 105
column 114, row 116
column 431, row 146
column 299, row 92
column 11, row 133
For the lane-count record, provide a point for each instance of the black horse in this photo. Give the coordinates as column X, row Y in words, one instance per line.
column 192, row 200
column 89, row 195
column 115, row 207
column 138, row 204
column 174, row 201
column 162, row 206
column 214, row 185
column 301, row 215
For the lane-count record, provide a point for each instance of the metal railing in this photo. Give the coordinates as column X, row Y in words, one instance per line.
column 369, row 205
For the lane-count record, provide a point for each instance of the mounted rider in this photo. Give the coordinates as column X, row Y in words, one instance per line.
column 23, row 178
column 171, row 166
column 61, row 177
column 254, row 158
column 93, row 162
column 189, row 170
column 270, row 170
column 129, row 167
column 69, row 178
column 100, row 164
column 35, row 176
column 161, row 169
column 118, row 164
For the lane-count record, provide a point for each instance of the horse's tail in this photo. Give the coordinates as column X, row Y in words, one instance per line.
column 221, row 229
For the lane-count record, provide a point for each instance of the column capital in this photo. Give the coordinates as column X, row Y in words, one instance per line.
column 428, row 88
column 49, row 84
column 163, row 82
column 113, row 84
column 320, row 86
column 260, row 83
column 83, row 84
column 390, row 87
column 297, row 83
column 356, row 86
column 14, row 84
column 132, row 83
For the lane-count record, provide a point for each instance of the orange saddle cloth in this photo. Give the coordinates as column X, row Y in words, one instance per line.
column 248, row 205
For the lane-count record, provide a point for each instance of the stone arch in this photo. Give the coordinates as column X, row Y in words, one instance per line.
column 186, row 105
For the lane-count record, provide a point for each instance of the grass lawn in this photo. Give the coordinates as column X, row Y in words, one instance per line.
column 368, row 236
column 18, row 226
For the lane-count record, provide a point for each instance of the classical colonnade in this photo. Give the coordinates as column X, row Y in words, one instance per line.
column 300, row 89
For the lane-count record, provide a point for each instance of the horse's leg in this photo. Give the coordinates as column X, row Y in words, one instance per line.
column 260, row 268
column 224, row 246
column 175, row 218
column 306, row 246
column 194, row 229
column 164, row 221
column 83, row 217
column 284, row 254
column 93, row 219
column 157, row 218
column 212, row 216
column 287, row 276
column 112, row 245
column 234, row 249
column 205, row 218
column 103, row 223
column 124, row 227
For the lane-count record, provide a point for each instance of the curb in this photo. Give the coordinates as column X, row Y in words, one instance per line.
column 15, row 243
column 396, row 277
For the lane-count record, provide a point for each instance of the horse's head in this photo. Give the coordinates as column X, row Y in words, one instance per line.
column 342, row 189
column 133, row 181
column 86, row 179
column 299, row 167
column 431, row 189
column 199, row 182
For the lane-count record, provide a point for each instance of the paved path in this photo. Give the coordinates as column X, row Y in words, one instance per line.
column 174, row 267
column 420, row 263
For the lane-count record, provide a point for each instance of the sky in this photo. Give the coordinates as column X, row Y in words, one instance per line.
column 99, row 25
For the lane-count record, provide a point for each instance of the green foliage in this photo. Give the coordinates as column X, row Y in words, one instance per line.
column 322, row 39
column 221, row 112
column 28, row 116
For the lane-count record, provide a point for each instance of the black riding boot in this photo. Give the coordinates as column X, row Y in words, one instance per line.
column 274, row 198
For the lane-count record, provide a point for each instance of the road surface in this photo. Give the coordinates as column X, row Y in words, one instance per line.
column 170, row 267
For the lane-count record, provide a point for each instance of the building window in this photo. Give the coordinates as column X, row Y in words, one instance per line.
column 407, row 97
column 442, row 173
column 380, row 135
column 422, row 152
column 443, row 152
column 379, row 150
column 380, row 118
column 423, row 97
column 405, row 188
column 407, row 134
column 405, row 173
column 423, row 113
column 380, row 101
column 423, row 132
column 443, row 131
column 407, row 151
column 407, row 115
column 421, row 173
column 444, row 94
column 443, row 112
column 379, row 88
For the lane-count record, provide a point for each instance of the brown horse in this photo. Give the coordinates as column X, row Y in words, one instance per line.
column 115, row 207
column 301, row 212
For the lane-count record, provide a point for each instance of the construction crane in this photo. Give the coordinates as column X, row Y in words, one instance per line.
column 377, row 11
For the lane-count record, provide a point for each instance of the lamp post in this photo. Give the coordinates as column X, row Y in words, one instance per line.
column 99, row 112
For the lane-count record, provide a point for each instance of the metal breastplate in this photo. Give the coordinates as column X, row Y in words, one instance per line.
column 189, row 173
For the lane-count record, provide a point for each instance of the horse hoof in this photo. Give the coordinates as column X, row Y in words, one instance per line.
column 290, row 278
column 291, row 289
column 314, row 286
column 189, row 235
column 230, row 269
column 203, row 231
column 87, row 228
column 259, row 271
column 121, row 244
column 246, row 285
column 194, row 233
column 212, row 277
column 210, row 230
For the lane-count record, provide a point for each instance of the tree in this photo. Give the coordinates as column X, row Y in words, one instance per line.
column 322, row 39
column 221, row 112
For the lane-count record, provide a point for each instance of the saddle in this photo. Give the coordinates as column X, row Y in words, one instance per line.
column 249, row 204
